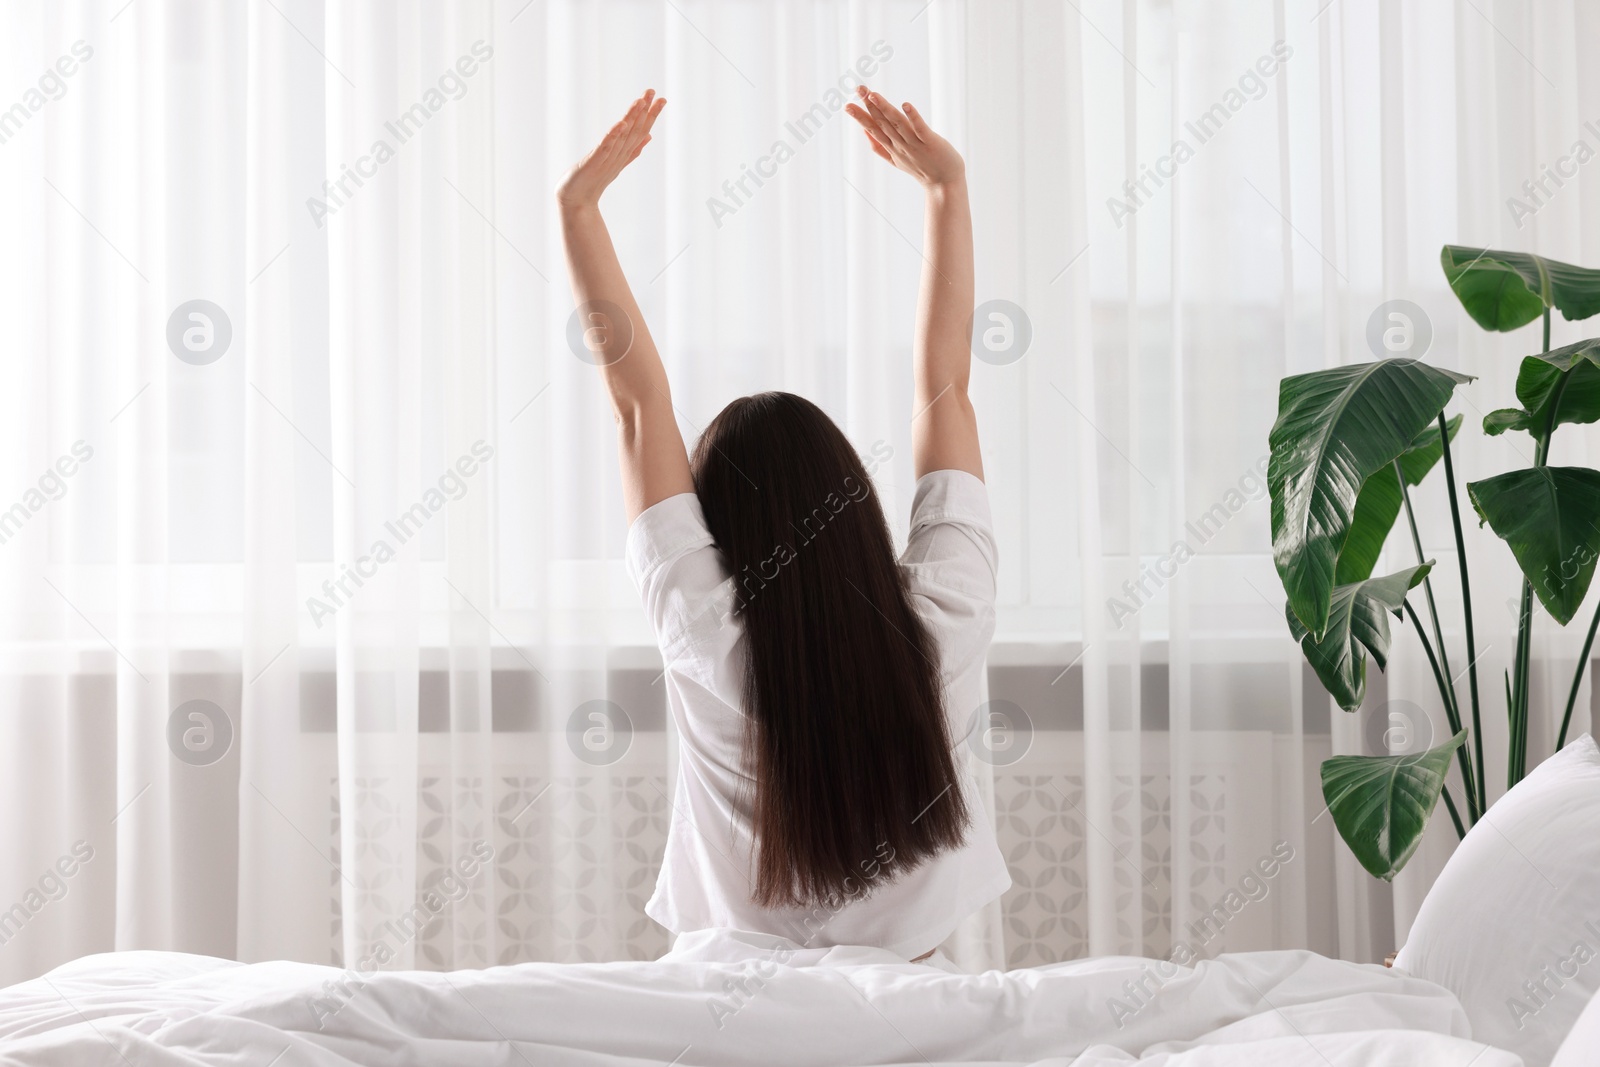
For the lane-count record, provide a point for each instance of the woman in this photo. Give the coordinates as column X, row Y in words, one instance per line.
column 820, row 689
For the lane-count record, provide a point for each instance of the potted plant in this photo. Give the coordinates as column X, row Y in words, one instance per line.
column 1349, row 445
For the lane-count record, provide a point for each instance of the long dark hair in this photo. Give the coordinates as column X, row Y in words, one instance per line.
column 845, row 738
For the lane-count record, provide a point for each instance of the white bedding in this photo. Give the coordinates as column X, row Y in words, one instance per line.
column 840, row 1006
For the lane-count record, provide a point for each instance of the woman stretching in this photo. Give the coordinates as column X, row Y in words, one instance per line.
column 821, row 689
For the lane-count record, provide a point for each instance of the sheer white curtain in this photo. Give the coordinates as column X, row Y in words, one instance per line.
column 314, row 637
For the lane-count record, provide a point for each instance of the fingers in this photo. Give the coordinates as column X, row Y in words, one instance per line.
column 916, row 122
column 651, row 115
column 889, row 117
column 629, row 136
column 875, row 135
column 882, row 144
column 878, row 148
column 617, row 138
column 903, row 140
column 873, row 118
column 880, row 140
column 882, row 125
column 868, row 123
column 866, row 120
column 638, row 114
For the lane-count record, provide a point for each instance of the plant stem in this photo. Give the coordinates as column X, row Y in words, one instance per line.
column 1518, row 763
column 1466, row 608
column 1455, row 816
column 1455, row 719
column 1447, row 687
column 1427, row 585
column 1577, row 678
column 1550, row 420
column 1509, row 701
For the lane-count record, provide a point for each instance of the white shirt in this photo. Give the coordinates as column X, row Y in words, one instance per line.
column 707, row 873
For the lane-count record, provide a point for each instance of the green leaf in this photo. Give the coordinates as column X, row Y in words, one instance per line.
column 1550, row 516
column 1569, row 376
column 1359, row 620
column 1506, row 290
column 1379, row 503
column 1381, row 804
column 1500, row 420
column 1336, row 428
column 1571, row 373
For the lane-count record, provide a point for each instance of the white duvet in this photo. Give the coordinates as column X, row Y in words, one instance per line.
column 724, row 998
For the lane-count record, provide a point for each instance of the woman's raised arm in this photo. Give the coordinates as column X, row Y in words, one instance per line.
column 944, row 429
column 655, row 464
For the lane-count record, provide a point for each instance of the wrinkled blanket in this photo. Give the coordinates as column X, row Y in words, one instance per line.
column 725, row 998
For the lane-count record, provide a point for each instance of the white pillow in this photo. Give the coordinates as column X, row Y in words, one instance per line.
column 1512, row 926
column 1582, row 1046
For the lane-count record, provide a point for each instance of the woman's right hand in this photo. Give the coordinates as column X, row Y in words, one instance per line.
column 906, row 141
column 620, row 146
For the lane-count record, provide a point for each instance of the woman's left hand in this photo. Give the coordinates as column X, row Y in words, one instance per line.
column 621, row 146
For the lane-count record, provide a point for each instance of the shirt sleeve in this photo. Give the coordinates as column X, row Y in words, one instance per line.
column 950, row 564
column 674, row 563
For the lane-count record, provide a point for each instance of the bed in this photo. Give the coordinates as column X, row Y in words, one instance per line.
column 1499, row 969
column 731, row 998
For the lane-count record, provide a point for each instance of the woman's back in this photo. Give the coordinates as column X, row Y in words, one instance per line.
column 709, row 872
